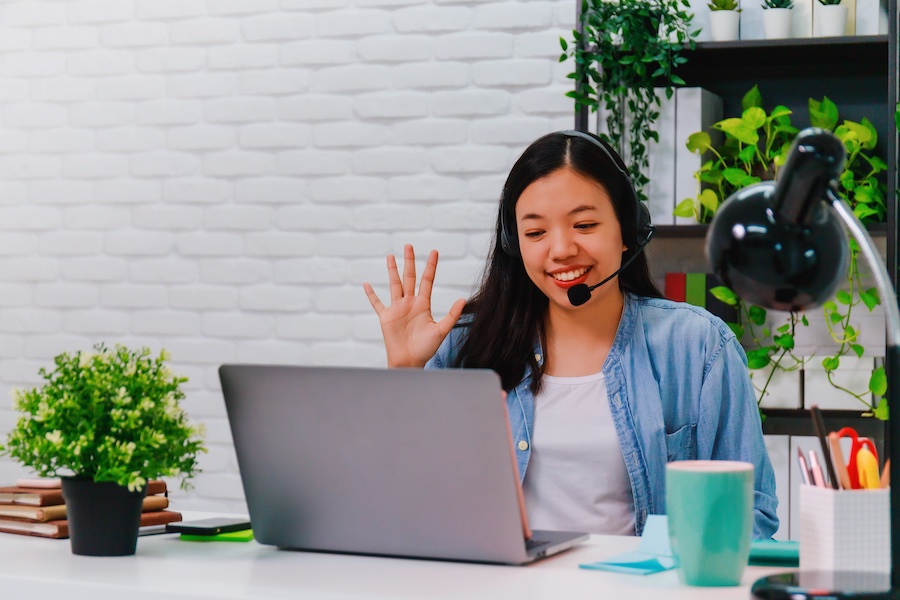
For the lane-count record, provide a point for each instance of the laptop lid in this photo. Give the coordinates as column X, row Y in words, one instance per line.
column 400, row 462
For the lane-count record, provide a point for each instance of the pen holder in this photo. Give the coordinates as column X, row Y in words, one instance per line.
column 845, row 530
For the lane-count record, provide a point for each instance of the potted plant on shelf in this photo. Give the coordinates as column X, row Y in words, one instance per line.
column 777, row 18
column 106, row 422
column 830, row 18
column 623, row 54
column 755, row 146
column 724, row 20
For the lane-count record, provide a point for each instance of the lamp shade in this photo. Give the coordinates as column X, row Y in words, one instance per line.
column 779, row 245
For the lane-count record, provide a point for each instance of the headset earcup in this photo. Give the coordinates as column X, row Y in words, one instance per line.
column 509, row 243
column 644, row 228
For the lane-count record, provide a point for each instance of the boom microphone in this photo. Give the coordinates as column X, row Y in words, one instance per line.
column 581, row 293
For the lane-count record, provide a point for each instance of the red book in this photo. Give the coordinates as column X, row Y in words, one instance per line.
column 676, row 286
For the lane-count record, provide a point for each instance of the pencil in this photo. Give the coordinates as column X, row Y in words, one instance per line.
column 837, row 455
column 819, row 424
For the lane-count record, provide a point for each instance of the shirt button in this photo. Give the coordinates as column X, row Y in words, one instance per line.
column 537, row 357
column 523, row 445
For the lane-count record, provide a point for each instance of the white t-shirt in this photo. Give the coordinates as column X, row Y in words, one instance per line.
column 576, row 478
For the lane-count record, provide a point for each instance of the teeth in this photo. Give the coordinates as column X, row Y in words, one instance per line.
column 570, row 275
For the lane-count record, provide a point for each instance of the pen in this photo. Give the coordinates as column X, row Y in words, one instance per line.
column 804, row 469
column 819, row 424
column 816, row 470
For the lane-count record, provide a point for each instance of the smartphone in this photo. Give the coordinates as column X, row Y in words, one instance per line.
column 212, row 526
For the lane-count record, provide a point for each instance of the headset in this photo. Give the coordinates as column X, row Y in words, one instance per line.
column 644, row 229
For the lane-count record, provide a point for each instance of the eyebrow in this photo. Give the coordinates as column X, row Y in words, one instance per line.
column 574, row 211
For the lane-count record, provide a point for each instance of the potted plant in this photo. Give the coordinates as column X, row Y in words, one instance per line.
column 623, row 53
column 106, row 422
column 777, row 18
column 724, row 20
column 830, row 19
column 755, row 146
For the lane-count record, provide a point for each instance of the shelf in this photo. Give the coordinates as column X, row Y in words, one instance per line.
column 781, row 421
column 764, row 59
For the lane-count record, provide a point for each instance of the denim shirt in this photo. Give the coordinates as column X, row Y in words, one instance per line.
column 678, row 389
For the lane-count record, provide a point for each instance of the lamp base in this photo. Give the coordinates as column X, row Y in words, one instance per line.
column 804, row 585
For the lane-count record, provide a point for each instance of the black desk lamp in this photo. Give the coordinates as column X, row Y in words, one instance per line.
column 782, row 245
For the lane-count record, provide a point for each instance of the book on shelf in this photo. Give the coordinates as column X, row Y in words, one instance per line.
column 58, row 511
column 59, row 528
column 696, row 289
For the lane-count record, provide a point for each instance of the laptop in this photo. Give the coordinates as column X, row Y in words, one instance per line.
column 394, row 462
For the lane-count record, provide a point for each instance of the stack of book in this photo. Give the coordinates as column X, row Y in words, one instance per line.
column 36, row 507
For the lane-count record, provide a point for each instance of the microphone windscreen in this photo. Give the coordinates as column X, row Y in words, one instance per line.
column 579, row 294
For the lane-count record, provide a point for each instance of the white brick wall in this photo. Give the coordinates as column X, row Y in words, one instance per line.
column 218, row 177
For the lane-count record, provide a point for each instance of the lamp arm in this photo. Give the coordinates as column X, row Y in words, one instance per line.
column 892, row 363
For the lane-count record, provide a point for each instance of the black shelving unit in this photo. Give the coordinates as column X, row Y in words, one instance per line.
column 858, row 73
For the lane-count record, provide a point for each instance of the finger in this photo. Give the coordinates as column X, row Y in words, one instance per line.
column 394, row 278
column 428, row 275
column 373, row 298
column 409, row 271
column 452, row 316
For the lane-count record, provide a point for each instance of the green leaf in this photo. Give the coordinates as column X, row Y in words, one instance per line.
column 843, row 296
column 805, row 321
column 699, row 142
column 752, row 98
column 878, row 382
column 563, row 44
column 785, row 341
column 685, row 208
column 754, row 117
column 709, row 200
column 882, row 411
column 831, row 363
column 724, row 294
column 759, row 358
column 757, row 314
column 857, row 350
column 869, row 299
column 823, row 113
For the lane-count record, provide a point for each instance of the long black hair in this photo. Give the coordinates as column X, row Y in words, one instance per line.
column 507, row 312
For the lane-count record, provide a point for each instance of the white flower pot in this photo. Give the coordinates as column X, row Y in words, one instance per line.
column 724, row 25
column 830, row 20
column 777, row 23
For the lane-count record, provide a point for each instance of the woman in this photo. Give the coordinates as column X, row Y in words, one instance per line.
column 600, row 395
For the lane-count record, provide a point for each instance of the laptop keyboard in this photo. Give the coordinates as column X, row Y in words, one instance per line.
column 533, row 543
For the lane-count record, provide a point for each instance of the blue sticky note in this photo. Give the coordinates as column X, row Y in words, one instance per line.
column 653, row 556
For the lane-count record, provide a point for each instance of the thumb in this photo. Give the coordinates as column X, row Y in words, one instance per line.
column 452, row 316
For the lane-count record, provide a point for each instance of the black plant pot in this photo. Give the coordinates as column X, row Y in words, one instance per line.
column 103, row 517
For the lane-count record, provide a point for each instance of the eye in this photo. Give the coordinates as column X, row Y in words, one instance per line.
column 533, row 233
column 586, row 226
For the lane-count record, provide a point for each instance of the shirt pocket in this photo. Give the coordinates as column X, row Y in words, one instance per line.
column 681, row 444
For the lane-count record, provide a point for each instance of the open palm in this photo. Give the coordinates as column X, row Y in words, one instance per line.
column 411, row 335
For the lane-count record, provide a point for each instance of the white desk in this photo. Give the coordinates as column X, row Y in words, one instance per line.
column 167, row 568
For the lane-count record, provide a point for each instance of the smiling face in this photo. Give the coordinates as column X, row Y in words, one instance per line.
column 568, row 234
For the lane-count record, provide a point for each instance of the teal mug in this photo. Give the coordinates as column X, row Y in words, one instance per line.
column 710, row 514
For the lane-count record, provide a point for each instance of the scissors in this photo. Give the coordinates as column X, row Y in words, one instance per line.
column 862, row 467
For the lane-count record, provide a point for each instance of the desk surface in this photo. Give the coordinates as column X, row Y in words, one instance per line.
column 165, row 567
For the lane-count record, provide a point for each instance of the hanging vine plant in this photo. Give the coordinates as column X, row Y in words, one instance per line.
column 623, row 51
column 756, row 145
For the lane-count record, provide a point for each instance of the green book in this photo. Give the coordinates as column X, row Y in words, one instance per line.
column 695, row 289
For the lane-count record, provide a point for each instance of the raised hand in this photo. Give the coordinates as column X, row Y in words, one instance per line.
column 411, row 335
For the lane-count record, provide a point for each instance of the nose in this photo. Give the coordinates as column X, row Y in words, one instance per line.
column 562, row 245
